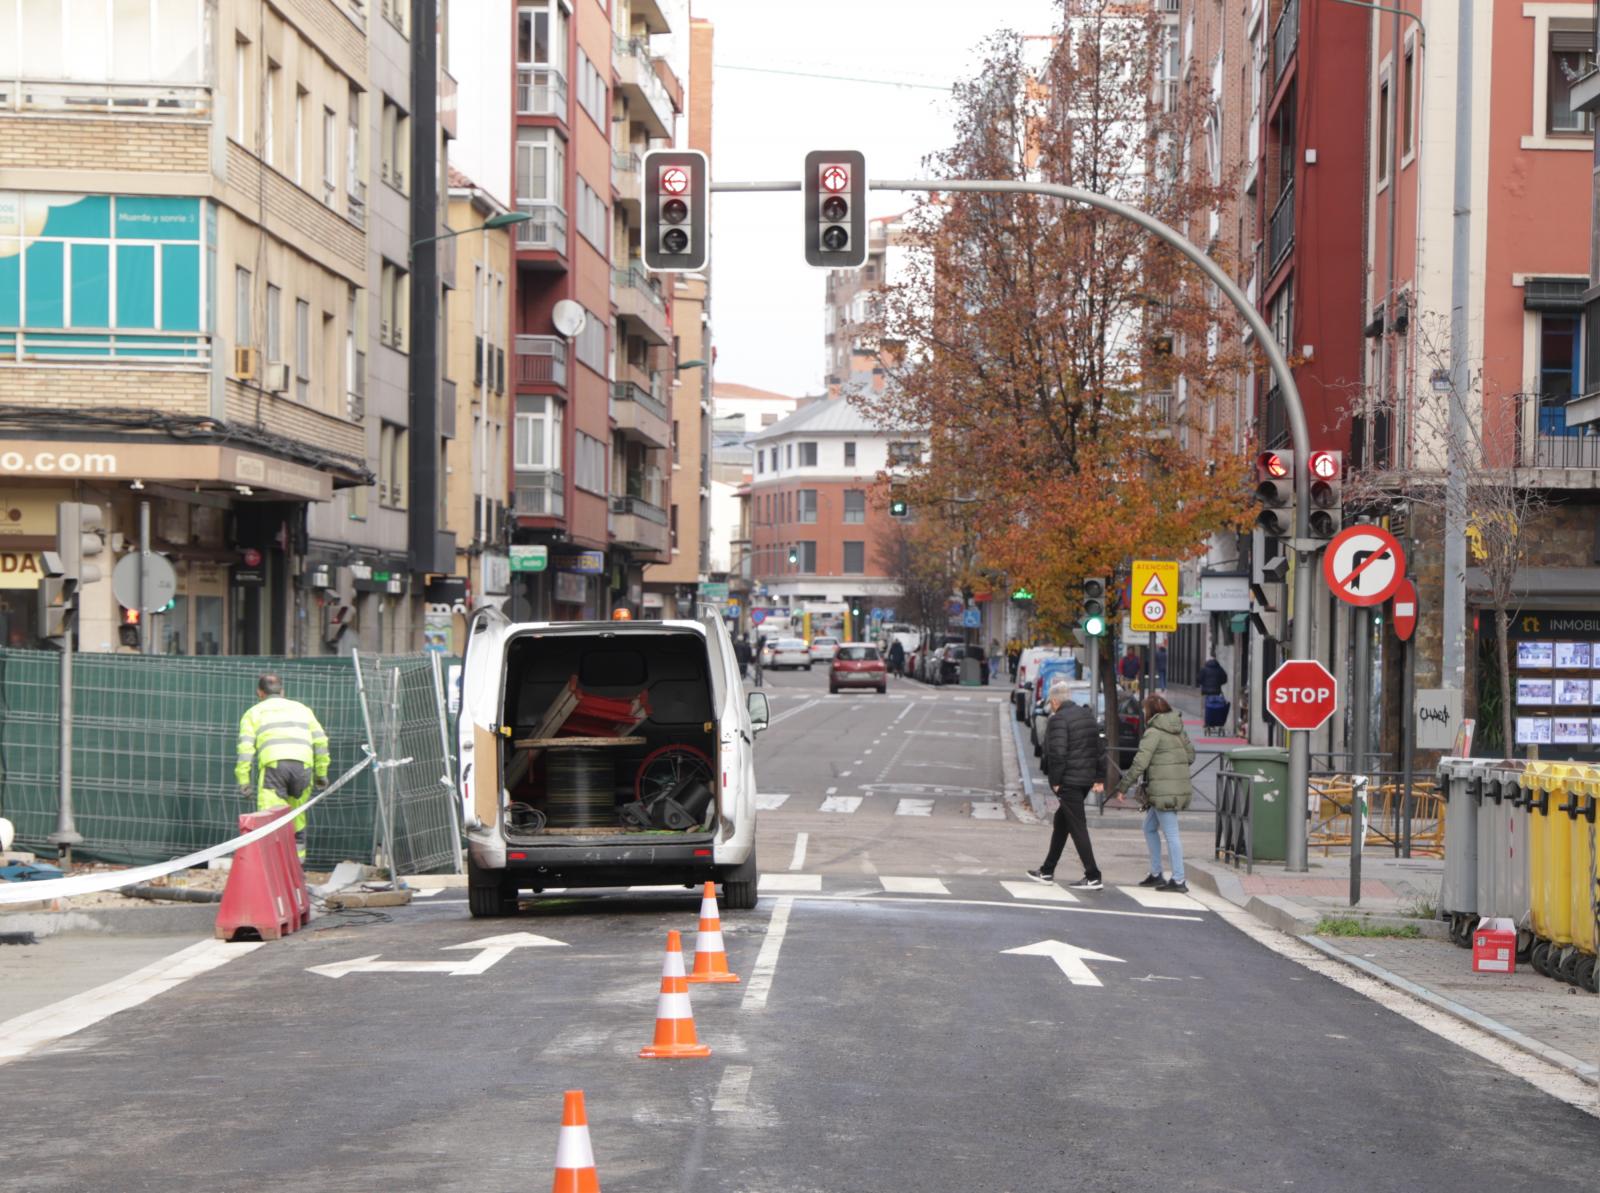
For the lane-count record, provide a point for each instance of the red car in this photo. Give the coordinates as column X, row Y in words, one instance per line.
column 858, row 665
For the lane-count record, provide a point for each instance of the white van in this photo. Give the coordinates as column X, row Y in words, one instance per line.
column 606, row 753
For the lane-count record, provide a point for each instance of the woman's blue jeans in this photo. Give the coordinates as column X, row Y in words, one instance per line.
column 1157, row 824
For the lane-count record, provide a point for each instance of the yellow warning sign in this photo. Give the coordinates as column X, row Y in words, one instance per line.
column 1155, row 597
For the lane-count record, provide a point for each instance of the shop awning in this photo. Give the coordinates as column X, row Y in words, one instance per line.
column 206, row 465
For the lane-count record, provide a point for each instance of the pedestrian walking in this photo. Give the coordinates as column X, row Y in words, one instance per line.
column 282, row 751
column 1213, row 703
column 897, row 658
column 1013, row 656
column 1161, row 667
column 1130, row 666
column 1163, row 762
column 741, row 655
column 1075, row 763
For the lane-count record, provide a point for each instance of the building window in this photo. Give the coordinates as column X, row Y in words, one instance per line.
column 788, row 455
column 352, row 165
column 590, row 345
column 297, row 165
column 674, row 525
column 808, row 455
column 855, row 557
column 593, row 216
column 773, row 457
column 394, row 307
column 330, row 155
column 1382, row 139
column 855, row 505
column 274, row 344
column 395, row 151
column 808, row 556
column 540, row 167
column 1408, row 91
column 1558, row 372
column 302, row 351
column 591, row 89
column 850, row 455
column 808, row 505
column 269, row 132
column 761, row 460
column 542, row 35
column 241, row 88
column 1571, row 57
column 243, row 331
column 675, row 443
column 589, row 464
column 132, row 41
column 394, row 465
column 536, row 438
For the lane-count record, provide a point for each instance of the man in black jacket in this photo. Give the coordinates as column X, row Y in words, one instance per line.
column 1075, row 762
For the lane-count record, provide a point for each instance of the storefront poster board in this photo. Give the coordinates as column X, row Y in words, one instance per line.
column 1534, row 731
column 1536, row 691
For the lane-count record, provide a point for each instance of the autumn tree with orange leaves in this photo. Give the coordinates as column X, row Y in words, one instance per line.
column 1032, row 337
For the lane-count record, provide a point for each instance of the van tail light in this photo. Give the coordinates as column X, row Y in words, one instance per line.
column 517, row 857
column 702, row 853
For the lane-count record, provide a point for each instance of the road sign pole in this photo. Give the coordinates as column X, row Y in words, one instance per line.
column 145, row 643
column 1361, row 742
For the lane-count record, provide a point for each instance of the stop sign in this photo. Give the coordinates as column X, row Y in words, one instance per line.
column 1302, row 694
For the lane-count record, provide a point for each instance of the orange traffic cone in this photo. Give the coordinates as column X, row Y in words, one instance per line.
column 575, row 1171
column 710, row 958
column 674, row 1020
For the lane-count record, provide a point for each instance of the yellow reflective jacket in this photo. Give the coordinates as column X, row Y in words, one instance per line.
column 280, row 730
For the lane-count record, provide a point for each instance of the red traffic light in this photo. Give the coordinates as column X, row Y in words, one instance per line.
column 1272, row 466
column 674, row 180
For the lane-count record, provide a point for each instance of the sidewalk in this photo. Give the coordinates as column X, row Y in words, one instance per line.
column 1539, row 1015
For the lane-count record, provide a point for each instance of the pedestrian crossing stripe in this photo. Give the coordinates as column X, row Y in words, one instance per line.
column 840, row 803
column 914, row 807
column 912, row 886
column 1156, row 900
column 853, row 885
column 1038, row 892
column 770, row 801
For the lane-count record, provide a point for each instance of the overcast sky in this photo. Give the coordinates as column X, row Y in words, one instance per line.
column 767, row 303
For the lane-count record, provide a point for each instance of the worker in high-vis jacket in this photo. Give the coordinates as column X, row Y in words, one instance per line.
column 283, row 749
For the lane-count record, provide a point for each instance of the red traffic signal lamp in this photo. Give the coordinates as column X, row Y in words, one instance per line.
column 835, row 188
column 677, row 231
column 1326, row 516
column 1275, row 492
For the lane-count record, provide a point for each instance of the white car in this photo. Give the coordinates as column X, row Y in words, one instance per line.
column 1022, row 693
column 790, row 652
column 823, row 649
column 657, row 785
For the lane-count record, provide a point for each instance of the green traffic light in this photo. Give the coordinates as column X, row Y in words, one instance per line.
column 1094, row 625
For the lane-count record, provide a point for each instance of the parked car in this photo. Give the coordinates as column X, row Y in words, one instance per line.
column 1027, row 664
column 858, row 665
column 536, row 818
column 823, row 648
column 790, row 652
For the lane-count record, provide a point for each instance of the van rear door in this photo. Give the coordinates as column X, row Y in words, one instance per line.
column 482, row 678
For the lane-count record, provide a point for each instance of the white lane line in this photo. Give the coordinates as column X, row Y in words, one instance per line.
column 1161, row 900
column 23, row 1034
column 868, row 750
column 947, row 733
column 770, row 801
column 844, row 804
column 914, row 807
column 732, row 1090
column 901, row 717
column 991, row 809
column 860, row 761
column 1035, row 890
column 963, row 699
column 997, row 699
column 798, row 862
column 795, row 711
column 794, row 882
column 868, row 900
column 755, row 994
column 844, row 774
column 912, row 886
column 830, row 791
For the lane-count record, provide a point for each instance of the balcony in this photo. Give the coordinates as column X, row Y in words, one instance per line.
column 639, row 415
column 627, row 179
column 545, row 232
column 648, row 102
column 447, row 103
column 540, row 495
column 541, row 91
column 639, row 525
column 639, row 300
column 541, row 360
column 356, row 203
column 1567, row 456
column 1284, row 36
column 447, row 409
column 1280, row 230
column 105, row 346
column 80, row 98
column 648, row 13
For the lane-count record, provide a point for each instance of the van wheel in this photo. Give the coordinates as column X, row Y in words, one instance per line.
column 739, row 885
column 490, row 894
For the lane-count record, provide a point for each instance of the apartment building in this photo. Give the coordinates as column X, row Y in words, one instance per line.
column 672, row 585
column 184, row 293
column 555, row 116
column 738, row 412
column 478, row 459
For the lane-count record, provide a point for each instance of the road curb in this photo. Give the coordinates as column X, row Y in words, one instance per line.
column 186, row 920
column 1581, row 1069
column 1021, row 793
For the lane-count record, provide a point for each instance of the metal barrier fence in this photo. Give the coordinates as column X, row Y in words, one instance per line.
column 1234, row 840
column 154, row 743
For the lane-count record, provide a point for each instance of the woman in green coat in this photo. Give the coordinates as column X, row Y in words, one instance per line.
column 1163, row 761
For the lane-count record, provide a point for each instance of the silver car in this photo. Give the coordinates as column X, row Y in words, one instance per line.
column 790, row 652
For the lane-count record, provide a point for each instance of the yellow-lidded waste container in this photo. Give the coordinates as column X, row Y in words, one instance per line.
column 1579, row 967
column 1551, row 859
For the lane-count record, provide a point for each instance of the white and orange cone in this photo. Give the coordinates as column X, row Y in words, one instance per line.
column 575, row 1171
column 710, row 957
column 674, row 1020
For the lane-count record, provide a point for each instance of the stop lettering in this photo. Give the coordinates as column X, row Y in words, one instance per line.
column 1302, row 694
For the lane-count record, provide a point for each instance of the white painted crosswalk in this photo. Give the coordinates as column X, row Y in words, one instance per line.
column 844, row 805
column 1039, row 892
column 770, row 801
column 912, row 886
column 1161, row 900
column 840, row 803
column 914, row 807
column 1120, row 900
column 991, row 809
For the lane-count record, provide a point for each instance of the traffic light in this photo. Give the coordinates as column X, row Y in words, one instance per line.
column 58, row 598
column 835, row 186
column 1094, row 608
column 676, row 200
column 128, row 631
column 78, row 529
column 1326, row 515
column 1275, row 492
column 899, row 507
column 794, row 556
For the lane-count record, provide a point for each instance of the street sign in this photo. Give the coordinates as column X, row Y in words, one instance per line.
column 972, row 618
column 953, row 607
column 1405, row 610
column 1363, row 565
column 1153, row 594
column 1302, row 694
column 757, row 616
column 528, row 558
column 160, row 582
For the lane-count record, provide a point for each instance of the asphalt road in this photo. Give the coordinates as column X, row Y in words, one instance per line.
column 886, row 1035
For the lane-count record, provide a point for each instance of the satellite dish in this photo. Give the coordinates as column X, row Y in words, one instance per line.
column 569, row 317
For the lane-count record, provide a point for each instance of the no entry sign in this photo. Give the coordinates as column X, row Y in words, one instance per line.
column 1363, row 565
column 1405, row 610
column 1302, row 694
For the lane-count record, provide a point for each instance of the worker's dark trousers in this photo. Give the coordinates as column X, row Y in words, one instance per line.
column 1071, row 821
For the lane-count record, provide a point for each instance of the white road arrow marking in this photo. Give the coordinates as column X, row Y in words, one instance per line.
column 1069, row 957
column 491, row 950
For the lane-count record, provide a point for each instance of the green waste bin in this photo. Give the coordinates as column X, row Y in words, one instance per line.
column 1268, row 768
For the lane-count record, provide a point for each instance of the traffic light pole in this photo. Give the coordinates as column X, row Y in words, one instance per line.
column 1305, row 549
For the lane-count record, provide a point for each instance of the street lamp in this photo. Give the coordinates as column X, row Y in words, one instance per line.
column 504, row 220
column 689, row 364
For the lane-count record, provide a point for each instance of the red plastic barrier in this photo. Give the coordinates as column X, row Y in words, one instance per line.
column 266, row 891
